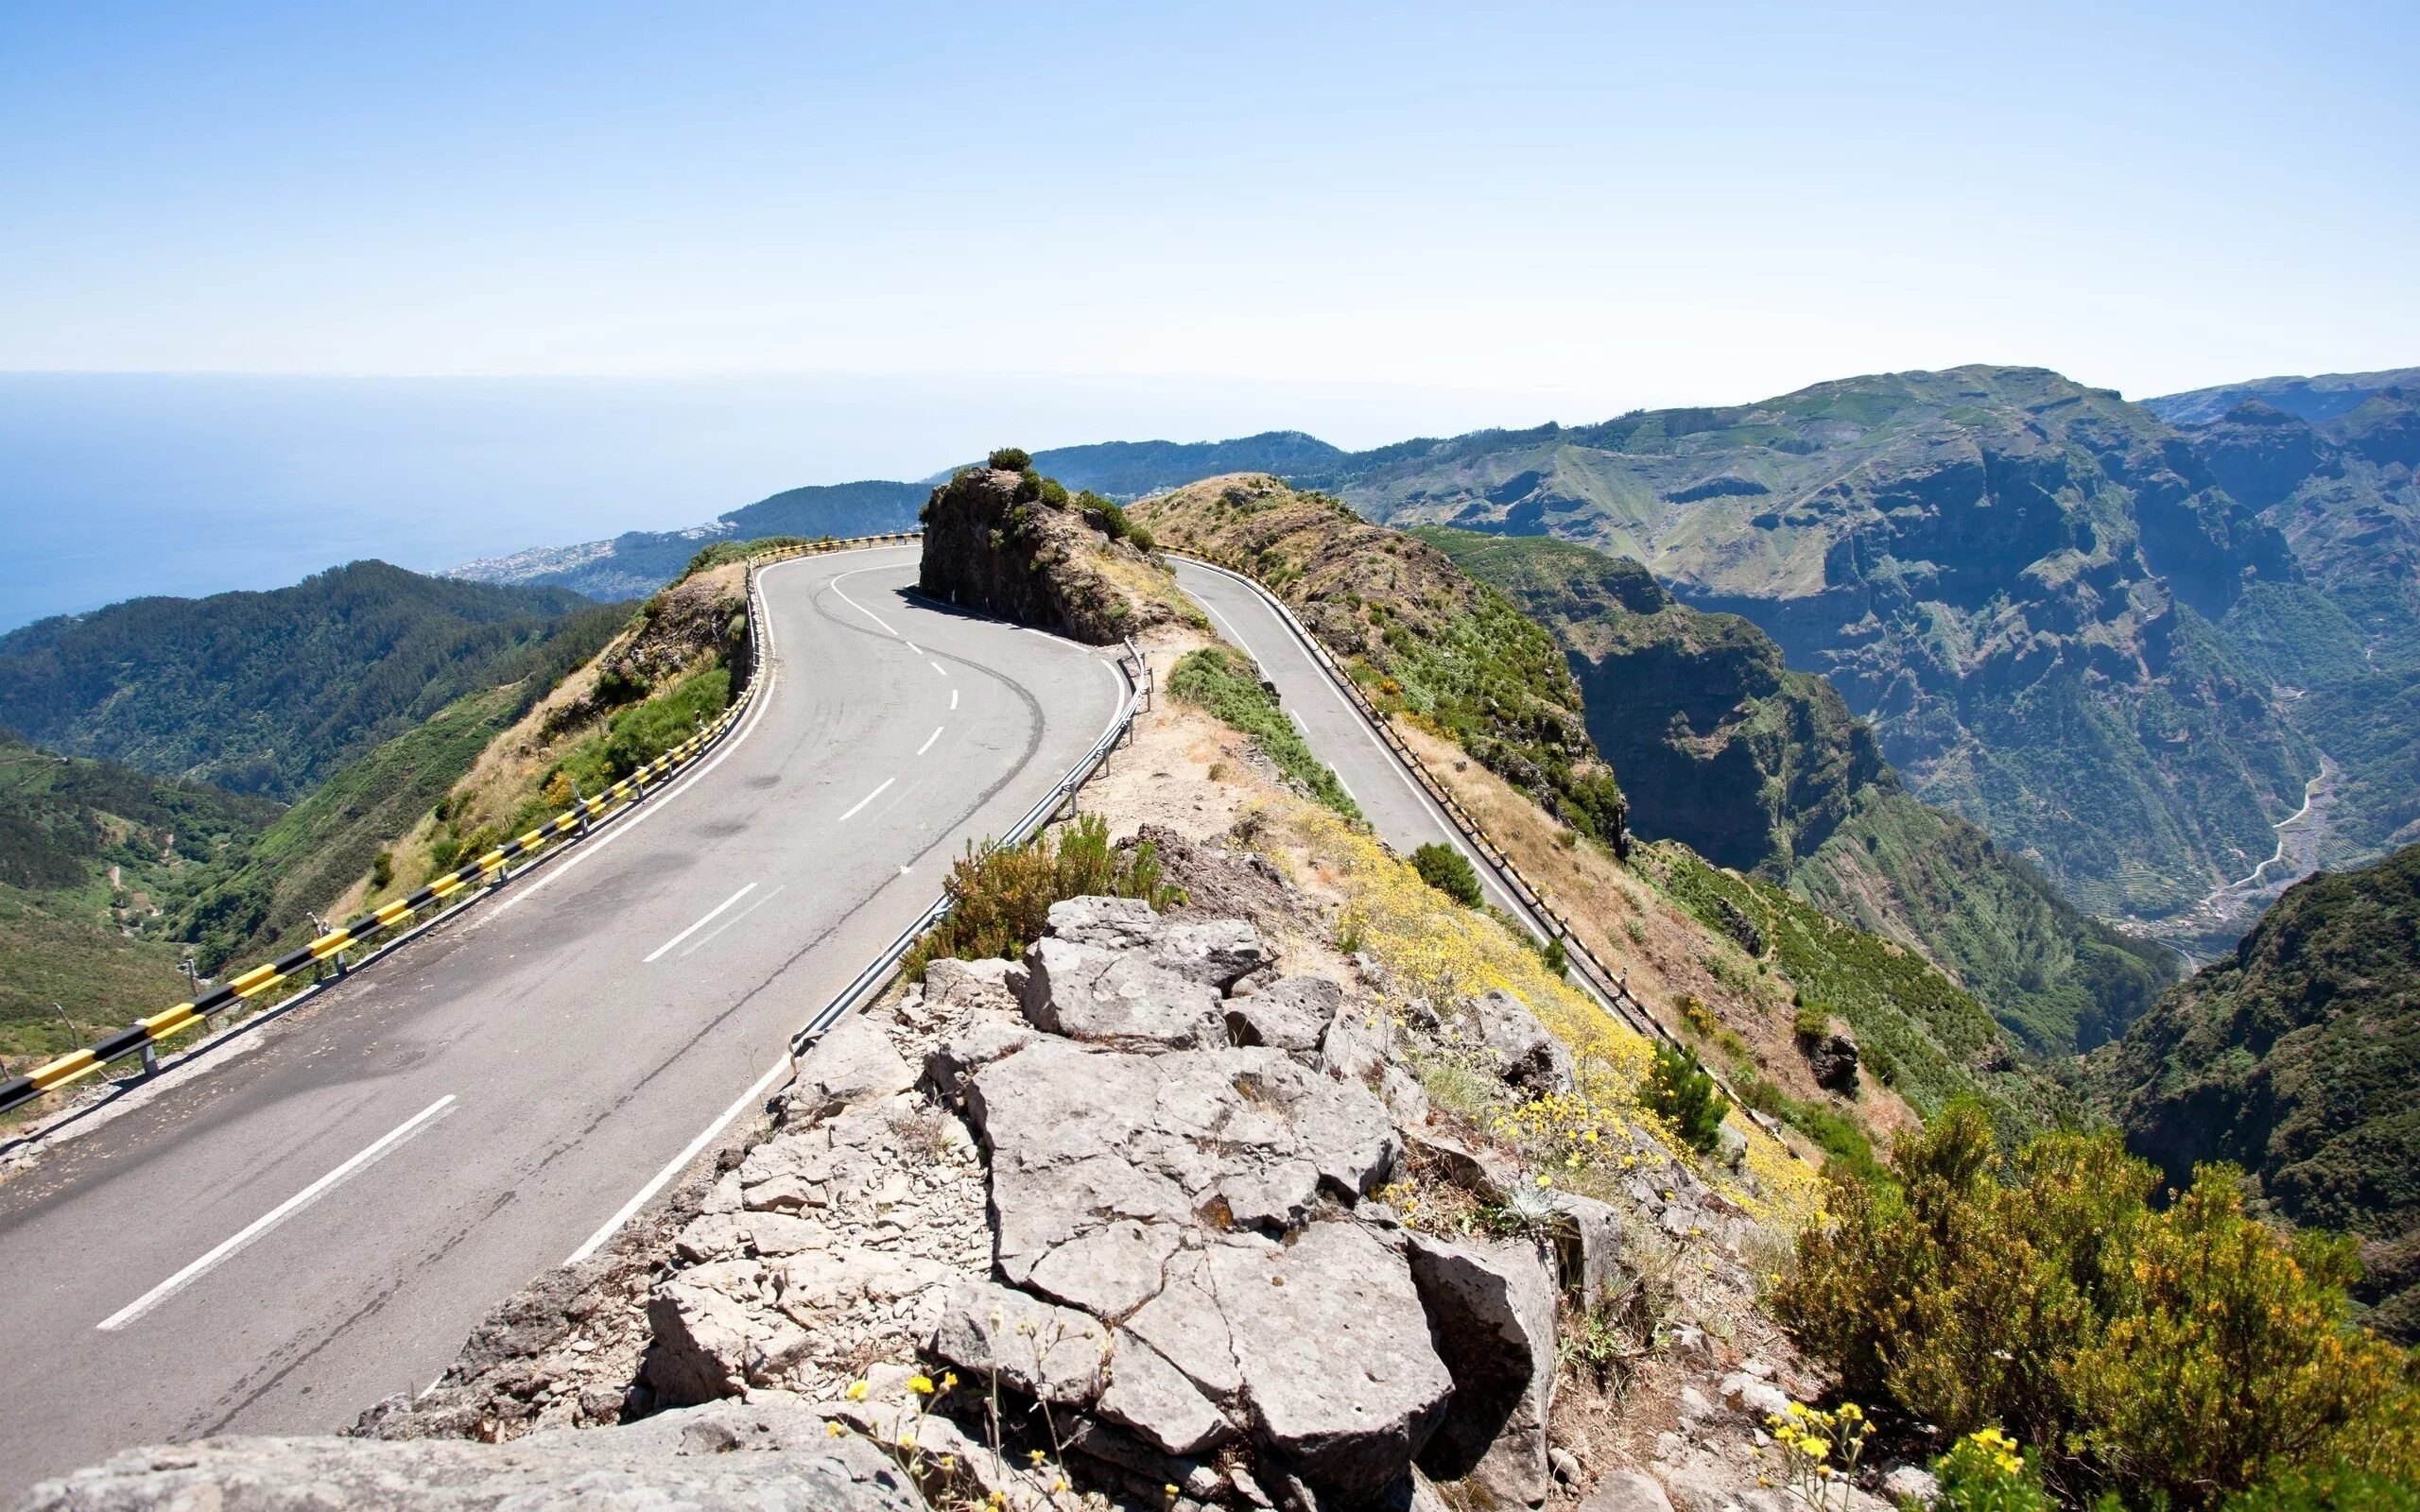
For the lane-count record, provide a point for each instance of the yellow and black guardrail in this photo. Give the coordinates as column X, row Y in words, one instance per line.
column 467, row 879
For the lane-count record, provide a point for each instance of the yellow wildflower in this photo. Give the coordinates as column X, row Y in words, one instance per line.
column 920, row 1386
column 857, row 1390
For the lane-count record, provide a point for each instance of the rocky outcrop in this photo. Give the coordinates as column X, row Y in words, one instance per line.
column 1006, row 544
column 767, row 1456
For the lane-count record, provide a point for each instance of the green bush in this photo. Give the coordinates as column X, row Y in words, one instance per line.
column 1011, row 460
column 2170, row 1357
column 1447, row 870
column 1987, row 1471
column 1000, row 900
column 1679, row 1090
column 1811, row 1022
column 2334, row 1487
column 1224, row 683
column 1557, row 958
column 1054, row 493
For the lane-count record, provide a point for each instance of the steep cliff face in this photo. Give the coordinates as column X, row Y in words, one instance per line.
column 2294, row 1058
column 2014, row 576
column 1012, row 543
column 1765, row 770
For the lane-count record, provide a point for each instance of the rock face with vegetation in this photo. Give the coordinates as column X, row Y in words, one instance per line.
column 1765, row 770
column 1005, row 540
column 2017, row 578
column 1420, row 636
column 2296, row 1059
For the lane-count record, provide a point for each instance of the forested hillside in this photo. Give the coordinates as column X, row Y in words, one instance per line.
column 1765, row 770
column 270, row 693
column 2295, row 1058
column 99, row 865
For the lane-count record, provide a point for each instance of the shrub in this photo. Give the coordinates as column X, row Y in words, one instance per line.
column 1988, row 1471
column 1681, row 1093
column 642, row 734
column 1558, row 959
column 1028, row 487
column 1054, row 493
column 1011, row 460
column 382, row 871
column 1000, row 898
column 2337, row 1486
column 2169, row 1357
column 1225, row 684
column 1447, row 870
column 1811, row 1022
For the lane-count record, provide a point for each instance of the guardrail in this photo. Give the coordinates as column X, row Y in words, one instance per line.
column 1602, row 982
column 878, row 972
column 469, row 880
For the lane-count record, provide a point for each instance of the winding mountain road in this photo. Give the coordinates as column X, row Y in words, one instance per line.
column 279, row 1241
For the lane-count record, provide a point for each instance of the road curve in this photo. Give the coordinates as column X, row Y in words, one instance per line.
column 1397, row 805
column 346, row 1200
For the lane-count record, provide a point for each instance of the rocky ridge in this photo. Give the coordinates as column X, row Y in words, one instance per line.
column 1007, row 543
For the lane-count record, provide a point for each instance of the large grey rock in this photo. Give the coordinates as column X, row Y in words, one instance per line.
column 1758, row 1398
column 1831, row 1058
column 950, row 1063
column 1588, row 1245
column 1155, row 1399
column 715, row 1333
column 1106, row 923
column 1356, row 1047
column 1526, row 1055
column 1337, row 1367
column 1054, row 1354
column 1217, row 953
column 1118, row 999
column 1491, row 1310
column 1626, row 1491
column 1292, row 1013
column 1083, row 1142
column 854, row 1063
column 972, row 986
column 762, row 1457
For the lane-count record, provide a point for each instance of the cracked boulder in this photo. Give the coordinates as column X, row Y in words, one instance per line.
column 1525, row 1053
column 1053, row 1354
column 715, row 1335
column 853, row 1064
column 1290, row 1014
column 1491, row 1309
column 1119, row 999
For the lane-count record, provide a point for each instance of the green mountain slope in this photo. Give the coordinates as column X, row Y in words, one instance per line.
column 98, row 862
column 2295, row 1058
column 1765, row 770
column 270, row 692
column 2016, row 579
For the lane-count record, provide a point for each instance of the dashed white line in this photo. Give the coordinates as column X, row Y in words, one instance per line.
column 868, row 799
column 930, row 739
column 275, row 1216
column 953, row 697
column 710, row 916
column 707, row 939
column 942, row 670
column 913, row 646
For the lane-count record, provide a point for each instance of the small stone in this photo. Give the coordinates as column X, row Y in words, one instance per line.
column 1627, row 1491
column 1902, row 1483
column 1566, row 1465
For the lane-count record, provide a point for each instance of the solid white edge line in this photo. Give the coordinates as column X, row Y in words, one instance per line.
column 712, row 914
column 652, row 804
column 868, row 799
column 688, row 1153
column 270, row 1219
column 839, row 577
column 930, row 739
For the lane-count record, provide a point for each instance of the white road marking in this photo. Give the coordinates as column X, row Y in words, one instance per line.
column 930, row 739
column 953, row 697
column 942, row 670
column 275, row 1216
column 710, row 916
column 868, row 799
column 854, row 604
column 705, row 1136
column 708, row 938
column 913, row 646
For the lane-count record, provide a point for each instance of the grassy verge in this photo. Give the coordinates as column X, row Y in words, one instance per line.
column 1222, row 682
column 1000, row 900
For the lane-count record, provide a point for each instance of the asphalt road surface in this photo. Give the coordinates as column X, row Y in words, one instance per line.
column 276, row 1243
column 1397, row 806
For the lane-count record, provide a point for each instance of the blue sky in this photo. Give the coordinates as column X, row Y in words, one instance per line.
column 1570, row 209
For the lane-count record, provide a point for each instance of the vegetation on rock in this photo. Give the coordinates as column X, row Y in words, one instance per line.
column 1222, row 682
column 1012, row 542
column 1000, row 898
column 1422, row 639
column 2296, row 1059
